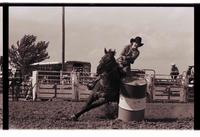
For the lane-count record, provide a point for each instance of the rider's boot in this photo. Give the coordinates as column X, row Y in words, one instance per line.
column 91, row 85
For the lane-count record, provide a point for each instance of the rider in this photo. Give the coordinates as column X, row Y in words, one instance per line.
column 130, row 54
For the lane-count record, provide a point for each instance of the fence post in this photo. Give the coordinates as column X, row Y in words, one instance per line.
column 74, row 79
column 61, row 81
column 35, row 84
column 55, row 87
column 169, row 92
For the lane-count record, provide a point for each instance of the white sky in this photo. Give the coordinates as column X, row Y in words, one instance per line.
column 167, row 32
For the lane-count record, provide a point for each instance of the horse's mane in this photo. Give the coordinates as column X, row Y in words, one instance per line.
column 113, row 74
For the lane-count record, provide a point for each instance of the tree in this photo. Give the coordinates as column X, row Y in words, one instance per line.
column 26, row 52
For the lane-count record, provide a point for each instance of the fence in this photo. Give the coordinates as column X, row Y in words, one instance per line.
column 84, row 79
column 166, row 89
column 23, row 90
column 61, row 85
column 162, row 88
column 72, row 86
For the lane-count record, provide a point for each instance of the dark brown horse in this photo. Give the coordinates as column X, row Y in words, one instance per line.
column 107, row 88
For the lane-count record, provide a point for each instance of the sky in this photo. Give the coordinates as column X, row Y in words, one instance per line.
column 167, row 33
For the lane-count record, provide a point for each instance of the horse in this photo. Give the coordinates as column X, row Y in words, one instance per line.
column 107, row 88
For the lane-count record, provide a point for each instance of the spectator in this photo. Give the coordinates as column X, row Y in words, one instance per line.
column 174, row 71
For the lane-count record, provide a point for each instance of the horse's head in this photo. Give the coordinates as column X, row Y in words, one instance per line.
column 107, row 62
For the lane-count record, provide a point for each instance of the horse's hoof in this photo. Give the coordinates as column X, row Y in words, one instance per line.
column 73, row 118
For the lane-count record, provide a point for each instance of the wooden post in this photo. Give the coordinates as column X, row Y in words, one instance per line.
column 169, row 92
column 35, row 84
column 61, row 81
column 55, row 93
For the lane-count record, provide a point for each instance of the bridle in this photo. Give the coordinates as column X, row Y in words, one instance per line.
column 107, row 65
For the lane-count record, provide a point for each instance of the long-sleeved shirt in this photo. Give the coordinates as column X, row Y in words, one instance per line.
column 128, row 55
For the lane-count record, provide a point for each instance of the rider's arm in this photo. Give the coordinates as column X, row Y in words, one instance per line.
column 133, row 56
column 123, row 53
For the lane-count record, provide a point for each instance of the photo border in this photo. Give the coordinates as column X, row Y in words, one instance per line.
column 6, row 45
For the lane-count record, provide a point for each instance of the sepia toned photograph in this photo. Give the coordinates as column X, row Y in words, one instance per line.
column 91, row 67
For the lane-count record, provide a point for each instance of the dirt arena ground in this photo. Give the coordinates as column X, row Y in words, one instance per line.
column 54, row 115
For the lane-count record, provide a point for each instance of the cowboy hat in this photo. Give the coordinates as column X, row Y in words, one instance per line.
column 173, row 64
column 138, row 40
column 132, row 40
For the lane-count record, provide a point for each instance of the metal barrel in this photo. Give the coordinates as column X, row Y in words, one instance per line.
column 132, row 100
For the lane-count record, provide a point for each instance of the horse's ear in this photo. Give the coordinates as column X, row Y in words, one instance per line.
column 114, row 52
column 105, row 51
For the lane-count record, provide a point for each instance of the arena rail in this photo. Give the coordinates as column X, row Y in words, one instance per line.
column 73, row 86
column 162, row 88
column 166, row 89
column 61, row 85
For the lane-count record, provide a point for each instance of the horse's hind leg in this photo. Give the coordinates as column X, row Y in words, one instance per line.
column 93, row 97
column 91, row 106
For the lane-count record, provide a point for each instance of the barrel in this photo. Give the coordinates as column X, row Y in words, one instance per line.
column 132, row 101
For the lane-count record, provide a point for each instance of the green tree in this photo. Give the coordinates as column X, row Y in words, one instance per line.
column 26, row 52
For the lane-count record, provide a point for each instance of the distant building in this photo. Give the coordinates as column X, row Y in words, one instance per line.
column 69, row 66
